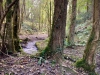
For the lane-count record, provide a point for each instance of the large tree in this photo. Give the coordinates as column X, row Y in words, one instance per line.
column 56, row 43
column 6, row 28
column 72, row 24
column 88, row 58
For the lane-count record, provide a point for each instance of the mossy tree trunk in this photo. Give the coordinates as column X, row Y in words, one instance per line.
column 10, row 38
column 89, row 53
column 1, row 9
column 56, row 43
column 72, row 24
column 16, row 18
column 1, row 32
column 94, row 37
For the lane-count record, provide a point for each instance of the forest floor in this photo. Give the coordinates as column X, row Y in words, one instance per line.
column 25, row 65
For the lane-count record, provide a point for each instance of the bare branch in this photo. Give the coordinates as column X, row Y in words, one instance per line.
column 7, row 10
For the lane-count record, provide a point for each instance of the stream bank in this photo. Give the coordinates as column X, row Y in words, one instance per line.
column 29, row 43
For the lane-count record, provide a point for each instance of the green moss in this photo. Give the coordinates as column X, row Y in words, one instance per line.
column 46, row 52
column 89, row 45
column 41, row 45
column 82, row 63
column 43, row 48
column 17, row 45
column 91, row 37
column 93, row 73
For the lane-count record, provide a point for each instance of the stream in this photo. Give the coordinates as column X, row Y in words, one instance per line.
column 30, row 47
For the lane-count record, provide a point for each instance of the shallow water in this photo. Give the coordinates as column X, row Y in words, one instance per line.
column 30, row 47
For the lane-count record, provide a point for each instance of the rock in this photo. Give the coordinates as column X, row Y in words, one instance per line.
column 43, row 70
column 46, row 62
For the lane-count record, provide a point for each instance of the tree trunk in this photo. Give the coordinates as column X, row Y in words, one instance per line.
column 89, row 53
column 1, row 9
column 73, row 23
column 7, row 40
column 16, row 17
column 56, row 43
column 10, row 29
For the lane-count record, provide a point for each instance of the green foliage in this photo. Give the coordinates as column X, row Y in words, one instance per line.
column 43, row 74
column 41, row 60
column 10, row 73
column 69, row 44
column 83, row 64
column 82, row 32
column 28, row 28
column 82, row 17
column 53, row 62
column 92, row 73
column 43, row 48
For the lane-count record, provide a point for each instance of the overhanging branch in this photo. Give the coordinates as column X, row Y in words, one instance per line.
column 7, row 10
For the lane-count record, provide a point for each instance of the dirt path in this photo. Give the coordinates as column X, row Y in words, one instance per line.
column 34, row 37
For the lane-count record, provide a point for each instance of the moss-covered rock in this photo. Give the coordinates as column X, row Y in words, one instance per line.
column 42, row 47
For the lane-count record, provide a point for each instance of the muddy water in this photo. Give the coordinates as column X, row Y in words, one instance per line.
column 30, row 47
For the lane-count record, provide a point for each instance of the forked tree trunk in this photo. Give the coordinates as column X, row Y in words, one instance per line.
column 56, row 43
column 72, row 24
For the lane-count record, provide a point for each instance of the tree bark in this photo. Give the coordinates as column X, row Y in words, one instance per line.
column 73, row 23
column 56, row 43
column 6, row 11
column 89, row 53
column 16, row 17
column 94, row 37
column 1, row 8
column 10, row 38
